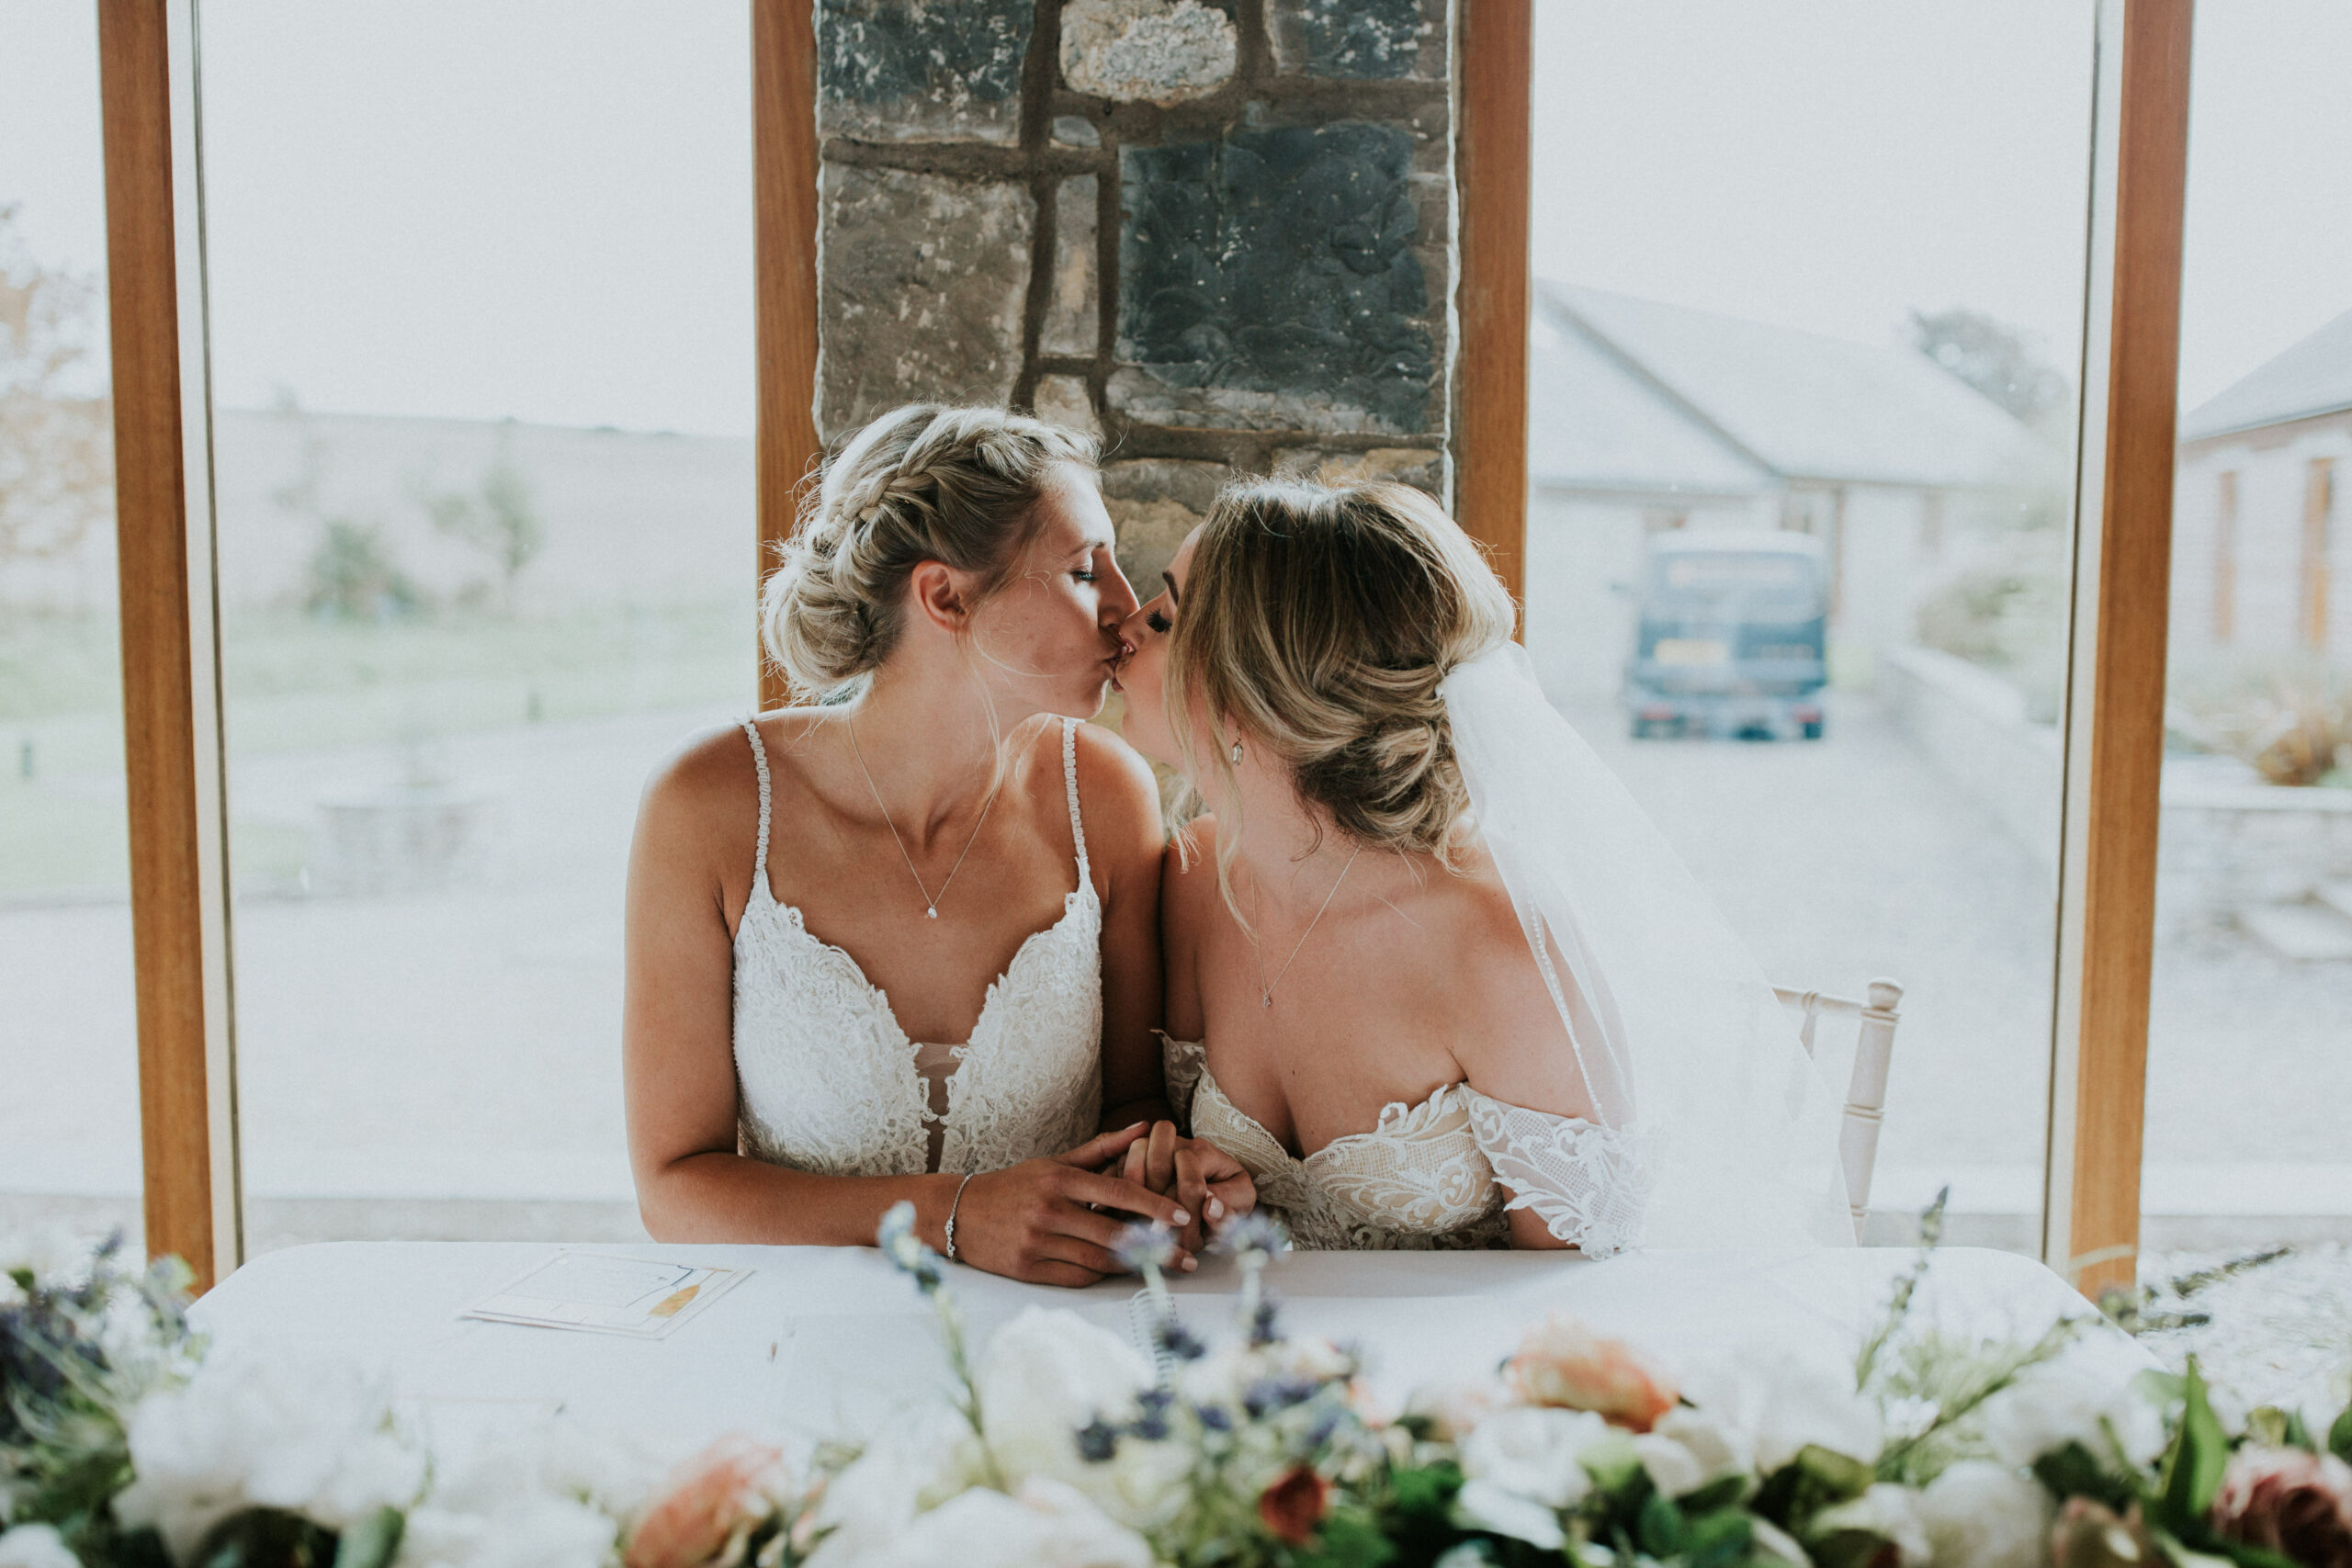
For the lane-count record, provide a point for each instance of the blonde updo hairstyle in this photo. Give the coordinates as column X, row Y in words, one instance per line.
column 923, row 482
column 1315, row 625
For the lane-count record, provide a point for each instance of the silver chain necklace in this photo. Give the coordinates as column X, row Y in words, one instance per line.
column 931, row 900
column 1266, row 991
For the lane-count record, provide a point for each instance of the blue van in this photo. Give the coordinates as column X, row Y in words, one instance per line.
column 1728, row 635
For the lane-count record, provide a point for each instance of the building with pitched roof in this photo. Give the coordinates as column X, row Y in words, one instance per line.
column 2260, row 556
column 1645, row 416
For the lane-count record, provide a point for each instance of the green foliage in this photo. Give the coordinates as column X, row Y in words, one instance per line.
column 2339, row 1436
column 267, row 1537
column 2191, row 1473
column 351, row 575
column 500, row 516
column 1898, row 1306
column 1817, row 1479
column 1956, row 1376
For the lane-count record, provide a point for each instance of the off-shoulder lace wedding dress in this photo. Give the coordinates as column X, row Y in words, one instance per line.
column 827, row 1081
column 1441, row 1174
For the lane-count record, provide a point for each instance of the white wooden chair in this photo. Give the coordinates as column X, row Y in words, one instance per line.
column 1866, row 1092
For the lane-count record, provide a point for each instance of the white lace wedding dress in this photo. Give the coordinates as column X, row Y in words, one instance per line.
column 826, row 1080
column 1441, row 1174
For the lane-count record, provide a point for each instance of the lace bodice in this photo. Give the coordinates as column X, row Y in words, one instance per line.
column 1441, row 1174
column 827, row 1081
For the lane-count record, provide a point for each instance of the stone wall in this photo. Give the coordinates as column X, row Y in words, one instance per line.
column 1216, row 235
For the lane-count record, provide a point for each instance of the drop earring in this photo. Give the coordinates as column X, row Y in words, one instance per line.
column 1237, row 754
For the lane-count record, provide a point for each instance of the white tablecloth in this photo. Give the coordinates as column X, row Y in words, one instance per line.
column 828, row 1339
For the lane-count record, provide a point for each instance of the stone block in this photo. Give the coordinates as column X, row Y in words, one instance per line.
column 1155, row 51
column 1360, row 39
column 922, row 285
column 922, row 70
column 1069, row 326
column 1420, row 467
column 1062, row 400
column 1274, row 279
column 1075, row 130
column 1155, row 503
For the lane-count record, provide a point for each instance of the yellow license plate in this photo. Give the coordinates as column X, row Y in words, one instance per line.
column 1689, row 650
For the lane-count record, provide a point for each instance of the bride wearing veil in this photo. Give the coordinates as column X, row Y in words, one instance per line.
column 1432, row 975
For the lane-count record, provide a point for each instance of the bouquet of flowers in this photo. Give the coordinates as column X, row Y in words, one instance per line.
column 1062, row 1444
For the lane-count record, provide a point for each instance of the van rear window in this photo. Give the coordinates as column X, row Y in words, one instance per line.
column 1698, row 573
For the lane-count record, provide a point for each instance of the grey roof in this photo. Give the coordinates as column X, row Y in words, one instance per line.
column 1593, row 423
column 2313, row 377
column 1796, row 405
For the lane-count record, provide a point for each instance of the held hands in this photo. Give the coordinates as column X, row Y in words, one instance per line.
column 1038, row 1222
column 1208, row 1184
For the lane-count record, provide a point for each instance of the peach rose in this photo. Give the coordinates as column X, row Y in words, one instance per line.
column 724, row 1491
column 2284, row 1500
column 1562, row 1362
column 1294, row 1505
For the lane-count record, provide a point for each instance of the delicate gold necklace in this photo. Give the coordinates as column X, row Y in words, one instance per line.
column 931, row 900
column 1266, row 991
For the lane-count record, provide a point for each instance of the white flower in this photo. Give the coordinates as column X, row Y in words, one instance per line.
column 1225, row 1376
column 1714, row 1449
column 1048, row 1525
column 2068, row 1401
column 1533, row 1453
column 1784, row 1402
column 1889, row 1512
column 50, row 1250
column 1984, row 1516
column 1048, row 1373
column 35, row 1546
column 525, row 1532
column 917, row 1463
column 530, row 1494
column 1482, row 1504
column 319, row 1442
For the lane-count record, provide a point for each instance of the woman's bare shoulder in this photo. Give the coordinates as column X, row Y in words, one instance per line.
column 1118, row 793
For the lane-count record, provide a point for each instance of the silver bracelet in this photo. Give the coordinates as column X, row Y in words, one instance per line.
column 951, row 1212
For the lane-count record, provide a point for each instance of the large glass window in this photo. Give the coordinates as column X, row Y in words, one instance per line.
column 2249, row 1129
column 1806, row 339
column 69, row 1113
column 481, row 297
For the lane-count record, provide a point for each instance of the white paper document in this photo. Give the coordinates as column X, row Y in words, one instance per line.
column 600, row 1293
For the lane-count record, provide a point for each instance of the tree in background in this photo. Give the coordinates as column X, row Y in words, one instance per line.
column 56, row 458
column 499, row 516
column 2003, row 362
column 352, row 574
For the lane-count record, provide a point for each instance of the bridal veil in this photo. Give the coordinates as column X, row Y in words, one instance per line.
column 1680, row 1040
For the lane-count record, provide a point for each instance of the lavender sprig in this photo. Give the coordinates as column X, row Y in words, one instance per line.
column 1255, row 1239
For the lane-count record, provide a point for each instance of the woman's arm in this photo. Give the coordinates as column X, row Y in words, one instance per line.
column 1030, row 1220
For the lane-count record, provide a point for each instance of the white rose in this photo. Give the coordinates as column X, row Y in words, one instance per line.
column 2067, row 1401
column 1784, row 1402
column 917, row 1463
column 1533, row 1453
column 1048, row 1373
column 35, row 1546
column 1047, row 1525
column 1672, row 1469
column 1984, row 1516
column 1717, row 1448
column 1482, row 1504
column 531, row 1493
column 1889, row 1512
column 522, row 1532
column 318, row 1442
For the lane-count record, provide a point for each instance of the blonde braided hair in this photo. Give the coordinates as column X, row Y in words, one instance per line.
column 923, row 482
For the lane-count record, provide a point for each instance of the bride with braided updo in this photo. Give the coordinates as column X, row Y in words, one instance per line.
column 900, row 941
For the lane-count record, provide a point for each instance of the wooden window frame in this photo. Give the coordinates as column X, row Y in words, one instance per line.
column 171, row 708
column 2225, row 557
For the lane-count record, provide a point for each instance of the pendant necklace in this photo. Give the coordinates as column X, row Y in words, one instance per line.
column 930, row 899
column 1265, row 990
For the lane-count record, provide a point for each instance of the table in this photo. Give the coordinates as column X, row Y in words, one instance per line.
column 819, row 1340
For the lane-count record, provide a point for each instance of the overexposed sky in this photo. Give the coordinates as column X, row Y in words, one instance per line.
column 542, row 207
